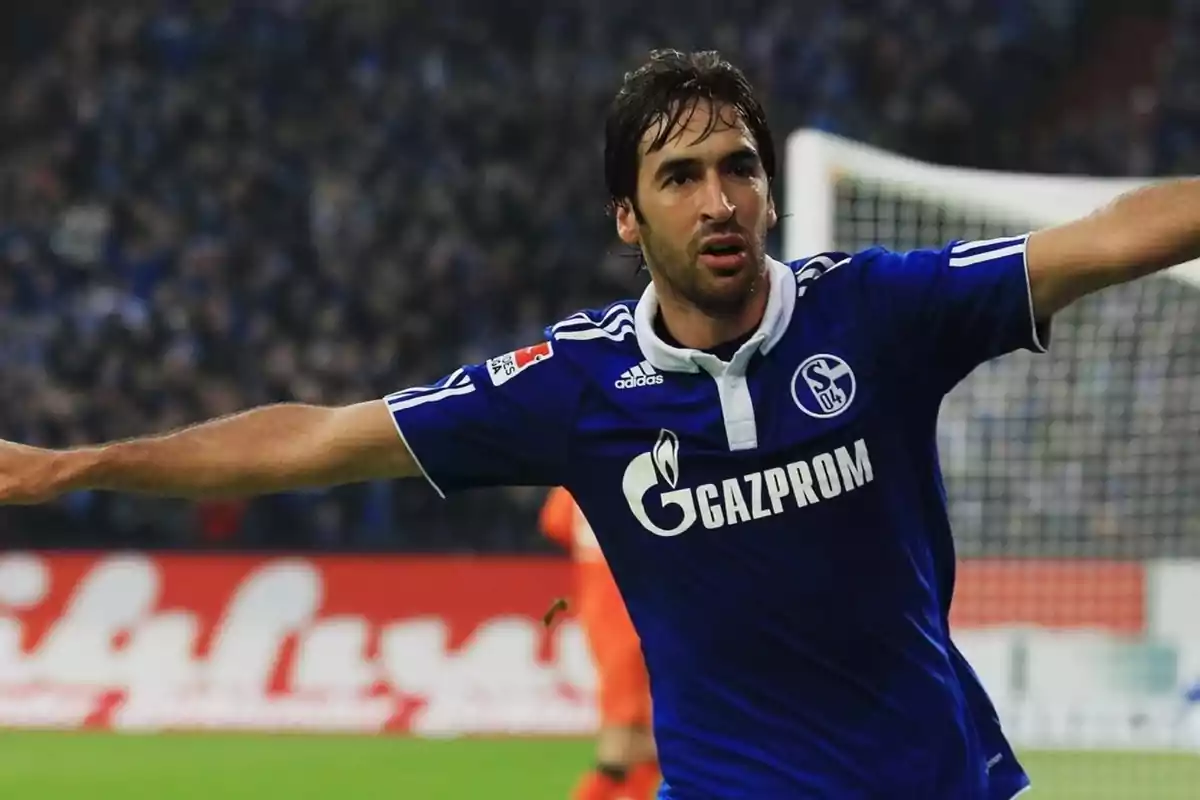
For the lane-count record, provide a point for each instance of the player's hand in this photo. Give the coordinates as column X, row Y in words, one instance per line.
column 28, row 475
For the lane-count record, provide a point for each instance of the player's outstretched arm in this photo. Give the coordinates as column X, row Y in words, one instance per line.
column 263, row 450
column 1141, row 232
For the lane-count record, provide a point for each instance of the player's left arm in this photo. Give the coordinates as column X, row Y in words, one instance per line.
column 1141, row 232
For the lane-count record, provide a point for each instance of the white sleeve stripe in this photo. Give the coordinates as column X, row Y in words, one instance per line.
column 454, row 380
column 620, row 334
column 966, row 261
column 617, row 321
column 401, row 403
column 611, row 326
column 575, row 319
column 824, row 261
column 613, row 317
column 963, row 248
column 581, row 318
column 413, row 391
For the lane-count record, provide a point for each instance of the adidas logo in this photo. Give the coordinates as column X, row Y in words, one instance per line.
column 641, row 375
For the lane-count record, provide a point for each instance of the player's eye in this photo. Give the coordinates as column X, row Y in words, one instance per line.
column 678, row 178
column 744, row 167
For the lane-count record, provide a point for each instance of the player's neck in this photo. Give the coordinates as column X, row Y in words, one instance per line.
column 693, row 328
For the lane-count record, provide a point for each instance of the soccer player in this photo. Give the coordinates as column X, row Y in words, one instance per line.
column 772, row 510
column 626, row 763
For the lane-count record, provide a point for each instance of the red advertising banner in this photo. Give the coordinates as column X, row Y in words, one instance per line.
column 443, row 645
column 1051, row 593
column 437, row 646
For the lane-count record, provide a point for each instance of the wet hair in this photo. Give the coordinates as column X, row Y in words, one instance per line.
column 667, row 89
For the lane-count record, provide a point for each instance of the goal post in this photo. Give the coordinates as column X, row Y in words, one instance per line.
column 816, row 162
column 1073, row 477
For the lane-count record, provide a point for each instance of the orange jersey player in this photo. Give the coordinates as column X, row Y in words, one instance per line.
column 626, row 760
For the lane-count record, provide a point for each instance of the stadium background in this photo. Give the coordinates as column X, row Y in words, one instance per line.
column 205, row 206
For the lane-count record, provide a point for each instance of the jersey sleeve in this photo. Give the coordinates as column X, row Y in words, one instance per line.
column 504, row 422
column 949, row 310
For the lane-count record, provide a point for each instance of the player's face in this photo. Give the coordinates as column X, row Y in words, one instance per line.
column 705, row 209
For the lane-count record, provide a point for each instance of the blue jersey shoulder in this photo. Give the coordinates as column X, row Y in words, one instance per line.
column 812, row 269
column 607, row 328
column 850, row 276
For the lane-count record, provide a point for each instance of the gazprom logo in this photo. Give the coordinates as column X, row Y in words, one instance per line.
column 646, row 471
column 652, row 481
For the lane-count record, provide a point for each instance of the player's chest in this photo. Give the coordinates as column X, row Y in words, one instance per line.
column 801, row 431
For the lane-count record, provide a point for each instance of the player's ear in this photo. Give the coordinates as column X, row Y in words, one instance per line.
column 772, row 214
column 627, row 223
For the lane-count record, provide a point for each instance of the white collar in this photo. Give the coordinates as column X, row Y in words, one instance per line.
column 781, row 302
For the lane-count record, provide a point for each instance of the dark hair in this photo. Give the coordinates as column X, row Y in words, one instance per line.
column 667, row 88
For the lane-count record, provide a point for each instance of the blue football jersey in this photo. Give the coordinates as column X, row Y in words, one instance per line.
column 777, row 522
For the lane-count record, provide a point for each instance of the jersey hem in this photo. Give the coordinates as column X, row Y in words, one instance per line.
column 416, row 459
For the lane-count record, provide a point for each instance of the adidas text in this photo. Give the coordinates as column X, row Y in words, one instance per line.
column 640, row 380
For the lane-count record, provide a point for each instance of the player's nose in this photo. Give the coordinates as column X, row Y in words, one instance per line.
column 716, row 205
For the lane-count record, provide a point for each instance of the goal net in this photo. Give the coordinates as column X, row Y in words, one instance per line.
column 1074, row 477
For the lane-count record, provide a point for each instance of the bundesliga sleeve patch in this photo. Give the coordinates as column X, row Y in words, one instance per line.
column 506, row 367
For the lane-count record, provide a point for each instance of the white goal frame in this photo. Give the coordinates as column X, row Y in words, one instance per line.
column 815, row 161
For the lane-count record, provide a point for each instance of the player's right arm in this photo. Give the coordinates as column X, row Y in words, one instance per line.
column 263, row 450
column 479, row 426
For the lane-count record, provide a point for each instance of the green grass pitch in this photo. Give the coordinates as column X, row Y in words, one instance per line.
column 101, row 766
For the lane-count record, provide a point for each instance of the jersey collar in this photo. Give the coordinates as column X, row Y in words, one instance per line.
column 781, row 302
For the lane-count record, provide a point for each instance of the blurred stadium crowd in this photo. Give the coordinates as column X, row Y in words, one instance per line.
column 207, row 206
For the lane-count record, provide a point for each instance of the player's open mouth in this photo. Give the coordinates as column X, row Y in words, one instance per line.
column 723, row 253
